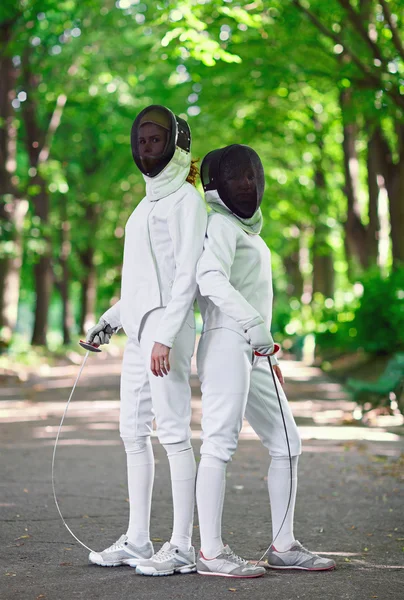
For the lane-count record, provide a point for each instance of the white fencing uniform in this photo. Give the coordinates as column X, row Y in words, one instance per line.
column 235, row 283
column 163, row 242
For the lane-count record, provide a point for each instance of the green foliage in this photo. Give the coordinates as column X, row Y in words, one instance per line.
column 259, row 73
column 379, row 320
column 373, row 322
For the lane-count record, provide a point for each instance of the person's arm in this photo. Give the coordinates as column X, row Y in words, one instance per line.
column 187, row 228
column 213, row 278
column 213, row 273
column 113, row 316
column 108, row 324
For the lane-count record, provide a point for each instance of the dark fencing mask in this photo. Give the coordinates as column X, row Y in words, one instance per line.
column 156, row 132
column 236, row 172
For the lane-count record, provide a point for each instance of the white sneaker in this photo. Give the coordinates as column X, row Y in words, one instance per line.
column 227, row 564
column 122, row 552
column 298, row 557
column 167, row 561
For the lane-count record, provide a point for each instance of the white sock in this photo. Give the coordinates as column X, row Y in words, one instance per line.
column 183, row 472
column 279, row 491
column 140, row 462
column 210, row 490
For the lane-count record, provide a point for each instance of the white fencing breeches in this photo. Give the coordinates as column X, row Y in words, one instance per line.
column 168, row 399
column 235, row 384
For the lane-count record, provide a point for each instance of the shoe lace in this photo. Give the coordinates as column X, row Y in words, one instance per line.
column 304, row 550
column 164, row 554
column 238, row 558
column 116, row 545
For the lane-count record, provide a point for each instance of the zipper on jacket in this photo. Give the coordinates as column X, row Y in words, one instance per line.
column 153, row 255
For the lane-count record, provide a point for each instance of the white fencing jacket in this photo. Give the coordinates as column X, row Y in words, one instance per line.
column 163, row 242
column 234, row 277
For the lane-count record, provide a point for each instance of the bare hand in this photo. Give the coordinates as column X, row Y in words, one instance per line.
column 160, row 362
column 279, row 375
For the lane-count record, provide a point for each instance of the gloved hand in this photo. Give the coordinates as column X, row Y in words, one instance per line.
column 100, row 333
column 261, row 339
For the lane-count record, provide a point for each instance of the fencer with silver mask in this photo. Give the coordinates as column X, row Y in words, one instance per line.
column 163, row 241
column 235, row 284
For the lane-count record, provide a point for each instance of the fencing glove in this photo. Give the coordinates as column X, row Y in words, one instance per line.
column 100, row 333
column 261, row 339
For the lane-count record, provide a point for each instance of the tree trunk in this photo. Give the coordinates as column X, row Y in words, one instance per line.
column 12, row 215
column 322, row 255
column 373, row 228
column 35, row 140
column 43, row 287
column 12, row 208
column 393, row 175
column 323, row 269
column 88, row 290
column 43, row 268
column 89, row 282
column 65, row 248
column 354, row 228
column 295, row 278
column 67, row 315
column 291, row 264
column 395, row 190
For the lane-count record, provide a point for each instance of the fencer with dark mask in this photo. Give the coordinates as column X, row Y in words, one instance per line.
column 236, row 172
column 163, row 242
column 235, row 285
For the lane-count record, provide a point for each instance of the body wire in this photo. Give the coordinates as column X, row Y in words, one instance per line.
column 290, row 462
column 54, row 454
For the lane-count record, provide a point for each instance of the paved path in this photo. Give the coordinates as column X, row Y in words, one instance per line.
column 350, row 499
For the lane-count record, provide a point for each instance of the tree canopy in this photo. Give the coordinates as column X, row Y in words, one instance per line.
column 316, row 87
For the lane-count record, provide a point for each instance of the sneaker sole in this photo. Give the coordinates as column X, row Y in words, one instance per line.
column 129, row 563
column 230, row 575
column 151, row 572
column 301, row 568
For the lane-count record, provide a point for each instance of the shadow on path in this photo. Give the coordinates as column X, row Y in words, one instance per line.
column 349, row 506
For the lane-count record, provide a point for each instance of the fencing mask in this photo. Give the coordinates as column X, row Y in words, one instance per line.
column 236, row 172
column 156, row 132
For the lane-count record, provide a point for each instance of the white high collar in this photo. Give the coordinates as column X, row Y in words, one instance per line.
column 171, row 177
column 212, row 196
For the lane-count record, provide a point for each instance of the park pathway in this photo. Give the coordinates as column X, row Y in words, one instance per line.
column 350, row 499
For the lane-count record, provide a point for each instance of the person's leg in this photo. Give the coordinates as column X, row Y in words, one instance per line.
column 224, row 369
column 282, row 496
column 136, row 418
column 140, row 468
column 171, row 396
column 210, row 492
column 281, row 437
column 224, row 365
column 183, row 472
column 265, row 417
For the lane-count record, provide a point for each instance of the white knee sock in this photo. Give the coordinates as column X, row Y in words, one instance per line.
column 183, row 472
column 140, row 462
column 279, row 491
column 210, row 490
